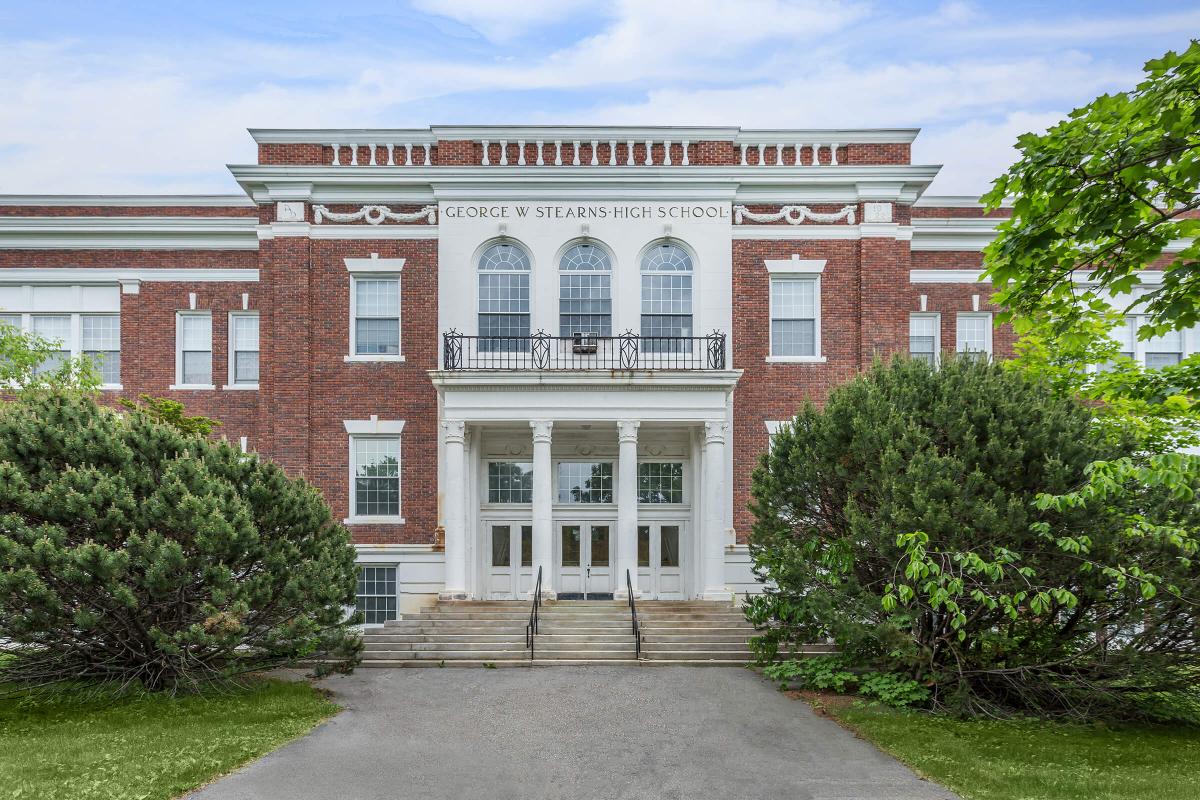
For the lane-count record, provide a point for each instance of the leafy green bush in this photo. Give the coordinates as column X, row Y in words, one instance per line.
column 134, row 552
column 907, row 521
column 835, row 673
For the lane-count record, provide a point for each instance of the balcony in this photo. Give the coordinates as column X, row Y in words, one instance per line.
column 542, row 352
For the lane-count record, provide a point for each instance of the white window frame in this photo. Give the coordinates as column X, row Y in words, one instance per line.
column 796, row 268
column 988, row 328
column 773, row 426
column 375, row 268
column 74, row 343
column 232, row 382
column 380, row 565
column 937, row 333
column 373, row 428
column 1188, row 341
column 686, row 478
column 179, row 384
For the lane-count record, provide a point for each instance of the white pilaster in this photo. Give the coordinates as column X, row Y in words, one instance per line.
column 627, row 432
column 543, row 500
column 454, row 510
column 714, row 511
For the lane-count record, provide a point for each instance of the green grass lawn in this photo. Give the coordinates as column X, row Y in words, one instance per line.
column 1024, row 760
column 145, row 747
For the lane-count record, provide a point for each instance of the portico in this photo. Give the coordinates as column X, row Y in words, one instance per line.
column 587, row 478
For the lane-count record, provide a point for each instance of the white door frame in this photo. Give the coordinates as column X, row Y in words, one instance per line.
column 654, row 580
column 596, row 582
column 514, row 581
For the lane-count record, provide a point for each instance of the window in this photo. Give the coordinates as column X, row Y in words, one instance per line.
column 660, row 482
column 377, row 594
column 795, row 316
column 643, row 545
column 666, row 299
column 773, row 429
column 585, row 482
column 194, row 353
column 55, row 329
column 923, row 338
column 504, row 298
column 77, row 321
column 585, row 291
column 376, row 316
column 376, row 485
column 510, row 482
column 101, row 342
column 975, row 336
column 243, row 350
column 1164, row 350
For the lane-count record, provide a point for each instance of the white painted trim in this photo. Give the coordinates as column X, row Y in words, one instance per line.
column 231, row 352
column 374, row 264
column 796, row 265
column 373, row 427
column 373, row 521
column 936, row 316
column 179, row 385
column 352, row 334
column 374, row 232
column 948, row 201
column 796, row 359
column 815, row 277
column 383, row 136
column 127, row 200
column 989, row 328
column 817, row 232
column 143, row 233
column 373, row 359
column 192, row 387
column 946, row 276
column 86, row 275
column 240, row 387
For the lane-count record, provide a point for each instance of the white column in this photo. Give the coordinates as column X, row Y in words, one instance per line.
column 454, row 517
column 543, row 499
column 714, row 511
column 626, row 507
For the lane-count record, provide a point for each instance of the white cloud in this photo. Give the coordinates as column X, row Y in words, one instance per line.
column 166, row 115
column 502, row 21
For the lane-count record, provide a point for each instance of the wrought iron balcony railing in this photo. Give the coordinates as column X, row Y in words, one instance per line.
column 543, row 352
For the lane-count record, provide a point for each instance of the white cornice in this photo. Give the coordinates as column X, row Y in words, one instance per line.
column 818, row 232
column 126, row 200
column 137, row 233
column 532, row 133
column 374, row 425
column 945, row 276
column 949, row 201
column 277, row 230
column 953, row 233
column 88, row 275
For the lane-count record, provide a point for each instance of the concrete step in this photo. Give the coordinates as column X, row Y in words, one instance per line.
column 740, row 656
column 702, row 645
column 477, row 664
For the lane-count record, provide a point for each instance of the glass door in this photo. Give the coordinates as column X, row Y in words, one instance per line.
column 659, row 569
column 585, row 560
column 509, row 553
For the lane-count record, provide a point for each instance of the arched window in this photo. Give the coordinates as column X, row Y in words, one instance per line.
column 666, row 299
column 504, row 298
column 585, row 291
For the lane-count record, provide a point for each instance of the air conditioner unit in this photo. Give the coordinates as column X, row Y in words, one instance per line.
column 583, row 343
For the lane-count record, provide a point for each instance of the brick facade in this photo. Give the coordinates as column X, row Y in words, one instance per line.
column 308, row 388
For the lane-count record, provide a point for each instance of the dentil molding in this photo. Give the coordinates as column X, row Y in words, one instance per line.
column 793, row 215
column 374, row 215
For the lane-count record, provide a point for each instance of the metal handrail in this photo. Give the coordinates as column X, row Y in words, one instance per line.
column 583, row 351
column 637, row 627
column 531, row 628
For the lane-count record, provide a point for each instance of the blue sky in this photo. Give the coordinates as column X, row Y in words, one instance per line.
column 106, row 97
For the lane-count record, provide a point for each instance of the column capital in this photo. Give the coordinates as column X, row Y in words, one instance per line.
column 627, row 430
column 454, row 430
column 714, row 432
column 541, row 430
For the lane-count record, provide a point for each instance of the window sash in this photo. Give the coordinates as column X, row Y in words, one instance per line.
column 195, row 349
column 923, row 338
column 795, row 315
column 376, row 597
column 660, row 482
column 376, row 316
column 95, row 336
column 585, row 304
column 974, row 335
column 585, row 482
column 244, row 348
column 376, row 473
column 510, row 482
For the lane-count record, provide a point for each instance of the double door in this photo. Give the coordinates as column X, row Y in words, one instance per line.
column 509, row 559
column 660, row 559
column 585, row 558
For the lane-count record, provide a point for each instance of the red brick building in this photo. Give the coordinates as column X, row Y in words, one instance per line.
column 503, row 349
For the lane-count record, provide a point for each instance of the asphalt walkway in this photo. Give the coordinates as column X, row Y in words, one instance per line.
column 572, row 733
